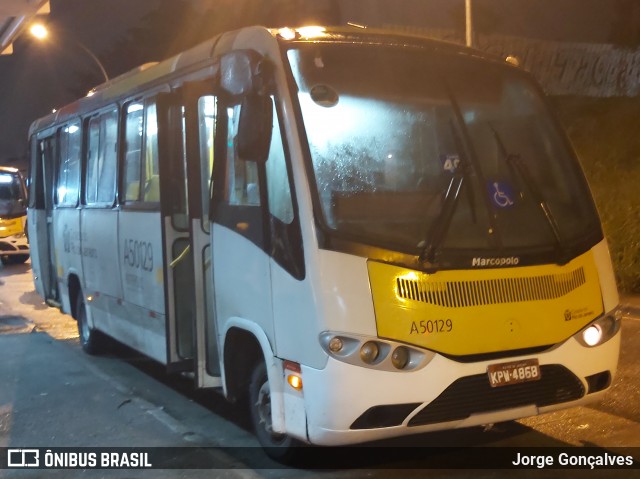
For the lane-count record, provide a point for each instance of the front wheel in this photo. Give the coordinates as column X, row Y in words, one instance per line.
column 277, row 446
column 91, row 340
column 14, row 258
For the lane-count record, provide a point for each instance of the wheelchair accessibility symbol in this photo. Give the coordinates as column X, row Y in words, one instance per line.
column 501, row 194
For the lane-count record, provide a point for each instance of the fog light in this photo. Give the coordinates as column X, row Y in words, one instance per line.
column 336, row 345
column 400, row 357
column 592, row 335
column 369, row 352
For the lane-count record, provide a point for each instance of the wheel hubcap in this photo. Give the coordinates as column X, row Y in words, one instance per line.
column 264, row 407
column 84, row 327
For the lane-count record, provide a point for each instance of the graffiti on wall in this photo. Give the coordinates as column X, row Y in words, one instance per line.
column 588, row 69
column 573, row 68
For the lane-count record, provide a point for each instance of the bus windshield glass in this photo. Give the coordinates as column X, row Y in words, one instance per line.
column 12, row 196
column 415, row 150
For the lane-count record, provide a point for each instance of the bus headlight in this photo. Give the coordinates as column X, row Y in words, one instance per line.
column 336, row 344
column 400, row 357
column 592, row 335
column 601, row 330
column 374, row 353
column 369, row 352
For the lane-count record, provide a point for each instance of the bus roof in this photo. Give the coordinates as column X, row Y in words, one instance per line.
column 148, row 75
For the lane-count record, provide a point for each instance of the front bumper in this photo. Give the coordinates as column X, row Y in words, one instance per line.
column 14, row 245
column 348, row 404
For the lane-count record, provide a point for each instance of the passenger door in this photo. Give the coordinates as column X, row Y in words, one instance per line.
column 40, row 217
column 189, row 120
column 240, row 233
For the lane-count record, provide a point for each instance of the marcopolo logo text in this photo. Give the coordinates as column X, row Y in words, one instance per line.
column 503, row 261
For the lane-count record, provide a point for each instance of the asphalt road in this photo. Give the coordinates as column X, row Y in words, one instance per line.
column 53, row 395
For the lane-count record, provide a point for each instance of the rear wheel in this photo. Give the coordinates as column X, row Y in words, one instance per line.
column 91, row 340
column 277, row 446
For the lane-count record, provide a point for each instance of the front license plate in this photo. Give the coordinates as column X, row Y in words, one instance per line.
column 515, row 372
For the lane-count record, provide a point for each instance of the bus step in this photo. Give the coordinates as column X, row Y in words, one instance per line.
column 53, row 303
column 185, row 365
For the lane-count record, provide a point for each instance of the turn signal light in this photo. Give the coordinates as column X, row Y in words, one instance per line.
column 295, row 382
column 293, row 372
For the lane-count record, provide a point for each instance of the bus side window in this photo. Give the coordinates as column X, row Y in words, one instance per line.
column 242, row 188
column 36, row 186
column 93, row 163
column 150, row 172
column 279, row 191
column 133, row 151
column 68, row 184
column 207, row 117
column 286, row 236
column 108, row 154
column 101, row 159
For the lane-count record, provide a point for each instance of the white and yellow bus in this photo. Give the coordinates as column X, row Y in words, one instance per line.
column 14, row 247
column 367, row 235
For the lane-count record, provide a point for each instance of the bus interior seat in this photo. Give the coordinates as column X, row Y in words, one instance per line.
column 133, row 191
column 152, row 189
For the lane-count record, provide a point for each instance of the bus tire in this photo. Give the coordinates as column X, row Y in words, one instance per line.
column 277, row 446
column 14, row 258
column 19, row 258
column 91, row 340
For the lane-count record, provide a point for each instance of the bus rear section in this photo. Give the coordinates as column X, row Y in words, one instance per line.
column 14, row 246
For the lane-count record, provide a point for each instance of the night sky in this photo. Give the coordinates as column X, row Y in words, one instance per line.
column 38, row 78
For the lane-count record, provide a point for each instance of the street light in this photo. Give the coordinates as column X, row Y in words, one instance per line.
column 469, row 22
column 41, row 32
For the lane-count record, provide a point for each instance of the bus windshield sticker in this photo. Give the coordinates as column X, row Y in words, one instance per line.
column 501, row 194
column 450, row 162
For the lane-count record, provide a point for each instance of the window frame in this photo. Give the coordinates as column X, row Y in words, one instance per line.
column 100, row 115
column 59, row 160
column 138, row 204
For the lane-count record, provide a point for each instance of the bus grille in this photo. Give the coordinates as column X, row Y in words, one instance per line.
column 459, row 294
column 474, row 395
column 5, row 246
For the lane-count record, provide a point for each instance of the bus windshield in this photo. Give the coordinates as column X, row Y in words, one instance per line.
column 415, row 150
column 12, row 196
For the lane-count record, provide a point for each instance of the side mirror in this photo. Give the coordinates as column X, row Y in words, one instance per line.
column 255, row 127
column 243, row 72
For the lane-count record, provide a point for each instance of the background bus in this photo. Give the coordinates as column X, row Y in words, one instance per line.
column 14, row 246
column 361, row 234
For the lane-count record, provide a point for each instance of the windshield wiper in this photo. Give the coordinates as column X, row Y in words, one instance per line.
column 442, row 222
column 517, row 163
